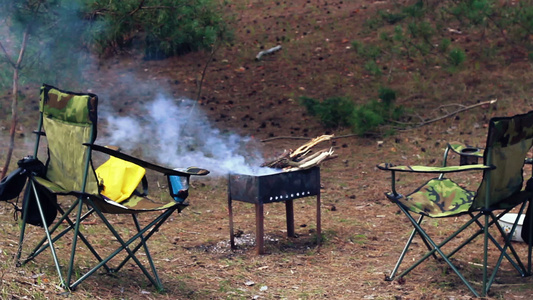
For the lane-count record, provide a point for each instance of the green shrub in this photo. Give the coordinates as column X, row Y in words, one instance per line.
column 362, row 119
column 457, row 57
column 367, row 51
column 387, row 95
column 398, row 34
column 473, row 12
column 423, row 48
column 519, row 21
column 392, row 18
column 332, row 112
column 373, row 23
column 423, row 30
column 385, row 37
column 367, row 117
column 416, row 10
column 373, row 68
column 161, row 27
column 444, row 44
column 371, row 53
column 357, row 45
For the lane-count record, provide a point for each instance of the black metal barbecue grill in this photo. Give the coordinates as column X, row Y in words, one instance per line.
column 278, row 187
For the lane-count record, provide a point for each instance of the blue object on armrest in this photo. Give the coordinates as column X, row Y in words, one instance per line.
column 179, row 187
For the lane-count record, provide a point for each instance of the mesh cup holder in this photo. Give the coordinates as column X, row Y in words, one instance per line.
column 467, row 157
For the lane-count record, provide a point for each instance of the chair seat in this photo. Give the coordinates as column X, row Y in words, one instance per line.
column 437, row 198
column 53, row 187
column 133, row 204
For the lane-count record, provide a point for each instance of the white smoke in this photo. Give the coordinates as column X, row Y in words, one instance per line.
column 177, row 134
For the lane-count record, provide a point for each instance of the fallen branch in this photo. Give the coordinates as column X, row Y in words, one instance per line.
column 457, row 111
column 269, row 51
column 285, row 138
column 422, row 123
column 303, row 137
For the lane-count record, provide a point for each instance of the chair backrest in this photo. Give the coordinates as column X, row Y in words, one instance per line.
column 508, row 142
column 69, row 120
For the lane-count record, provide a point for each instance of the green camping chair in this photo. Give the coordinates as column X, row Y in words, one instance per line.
column 501, row 189
column 68, row 123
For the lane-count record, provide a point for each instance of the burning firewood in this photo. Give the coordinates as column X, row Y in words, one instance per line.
column 302, row 157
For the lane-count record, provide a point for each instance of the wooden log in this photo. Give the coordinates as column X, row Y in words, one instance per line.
column 304, row 149
column 299, row 158
column 269, row 51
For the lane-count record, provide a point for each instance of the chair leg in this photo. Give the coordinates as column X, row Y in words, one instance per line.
column 516, row 262
column 493, row 240
column 40, row 247
column 82, row 237
column 22, row 227
column 48, row 236
column 528, row 227
column 436, row 248
column 148, row 256
column 424, row 240
column 404, row 251
column 74, row 240
column 146, row 238
column 432, row 250
column 154, row 225
column 507, row 238
column 485, row 254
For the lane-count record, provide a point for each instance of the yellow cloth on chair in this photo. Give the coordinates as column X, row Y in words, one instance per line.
column 119, row 178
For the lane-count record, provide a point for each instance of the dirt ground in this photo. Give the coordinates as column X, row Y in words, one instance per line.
column 363, row 233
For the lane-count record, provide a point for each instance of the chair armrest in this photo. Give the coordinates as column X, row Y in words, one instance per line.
column 182, row 172
column 426, row 169
column 465, row 150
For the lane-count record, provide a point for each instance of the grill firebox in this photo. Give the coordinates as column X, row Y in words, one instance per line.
column 278, row 187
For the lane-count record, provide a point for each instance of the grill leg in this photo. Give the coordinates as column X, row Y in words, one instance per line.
column 231, row 232
column 259, row 231
column 318, row 222
column 289, row 210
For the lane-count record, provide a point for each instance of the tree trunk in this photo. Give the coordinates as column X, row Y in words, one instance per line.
column 14, row 104
column 13, row 124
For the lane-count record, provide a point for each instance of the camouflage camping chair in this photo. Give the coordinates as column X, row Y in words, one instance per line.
column 508, row 142
column 68, row 122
